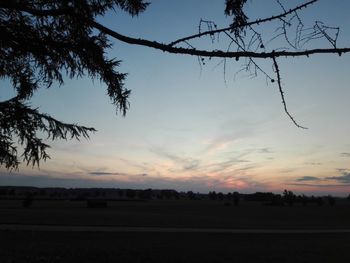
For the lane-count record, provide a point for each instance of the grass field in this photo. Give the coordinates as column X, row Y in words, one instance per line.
column 181, row 213
column 40, row 247
column 37, row 246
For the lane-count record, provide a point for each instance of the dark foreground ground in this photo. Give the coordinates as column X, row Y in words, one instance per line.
column 46, row 246
column 182, row 213
column 40, row 247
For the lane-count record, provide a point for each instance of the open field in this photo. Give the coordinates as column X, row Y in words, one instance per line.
column 183, row 213
column 40, row 247
column 95, row 246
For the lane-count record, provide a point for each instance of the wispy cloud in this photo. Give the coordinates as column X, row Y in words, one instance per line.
column 97, row 173
column 307, row 178
column 344, row 178
column 345, row 154
column 222, row 166
column 289, row 170
column 265, row 150
column 247, row 167
column 342, row 170
column 219, row 143
column 320, row 185
column 313, row 163
column 238, row 130
column 186, row 163
column 106, row 173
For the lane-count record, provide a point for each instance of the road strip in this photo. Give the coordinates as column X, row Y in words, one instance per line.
column 67, row 228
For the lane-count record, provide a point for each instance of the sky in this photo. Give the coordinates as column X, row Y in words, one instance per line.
column 202, row 127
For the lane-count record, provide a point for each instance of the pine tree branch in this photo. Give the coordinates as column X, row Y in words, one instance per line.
column 19, row 122
column 14, row 5
column 193, row 51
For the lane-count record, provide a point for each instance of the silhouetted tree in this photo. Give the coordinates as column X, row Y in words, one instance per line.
column 304, row 200
column 220, row 196
column 176, row 195
column 28, row 200
column 236, row 198
column 289, row 197
column 259, row 197
column 120, row 193
column 331, row 200
column 166, row 194
column 40, row 41
column 146, row 194
column 130, row 193
column 277, row 200
column 191, row 195
column 319, row 201
column 212, row 195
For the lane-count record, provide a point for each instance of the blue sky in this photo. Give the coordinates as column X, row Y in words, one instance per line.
column 189, row 130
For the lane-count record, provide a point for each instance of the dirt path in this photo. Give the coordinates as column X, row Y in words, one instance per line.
column 65, row 228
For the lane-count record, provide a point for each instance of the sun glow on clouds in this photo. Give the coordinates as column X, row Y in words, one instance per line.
column 223, row 162
column 234, row 164
column 193, row 133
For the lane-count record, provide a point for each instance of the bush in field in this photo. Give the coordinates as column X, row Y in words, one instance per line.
column 236, row 198
column 304, row 200
column 130, row 193
column 27, row 201
column 146, row 194
column 220, row 196
column 331, row 200
column 191, row 195
column 213, row 195
column 96, row 203
column 289, row 197
column 277, row 200
column 166, row 194
column 319, row 201
column 259, row 197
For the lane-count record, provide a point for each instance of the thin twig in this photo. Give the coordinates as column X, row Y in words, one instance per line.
column 282, row 93
column 258, row 21
column 213, row 53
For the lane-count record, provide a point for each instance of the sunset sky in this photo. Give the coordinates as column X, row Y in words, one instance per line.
column 188, row 129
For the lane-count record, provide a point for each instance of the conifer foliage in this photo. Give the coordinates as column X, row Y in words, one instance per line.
column 41, row 42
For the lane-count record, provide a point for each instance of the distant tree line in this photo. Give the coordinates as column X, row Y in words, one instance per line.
column 287, row 198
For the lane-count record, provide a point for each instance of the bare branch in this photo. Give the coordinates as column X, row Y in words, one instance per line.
column 214, row 53
column 195, row 52
column 258, row 21
column 282, row 93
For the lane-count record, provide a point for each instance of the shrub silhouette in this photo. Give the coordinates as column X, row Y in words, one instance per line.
column 331, row 200
column 319, row 201
column 236, row 198
column 27, row 201
column 289, row 197
column 96, row 203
